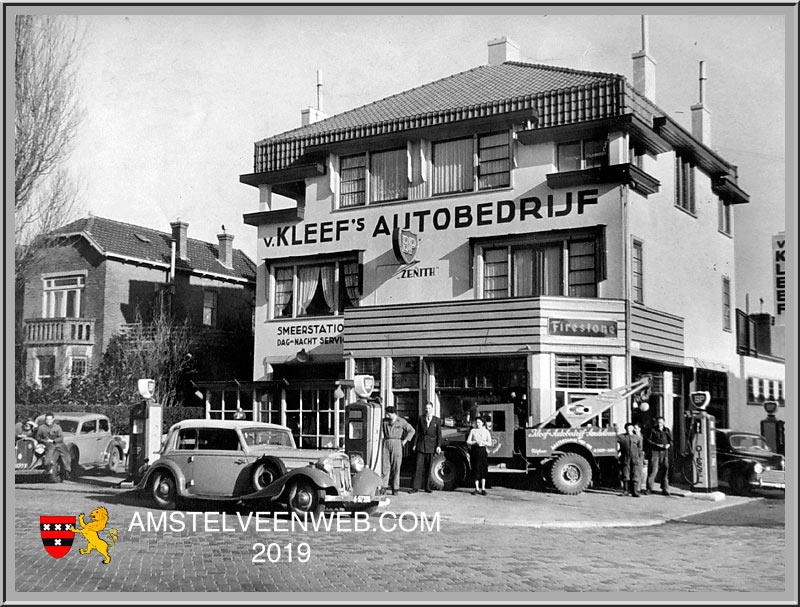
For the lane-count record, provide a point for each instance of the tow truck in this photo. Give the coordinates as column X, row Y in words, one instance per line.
column 565, row 448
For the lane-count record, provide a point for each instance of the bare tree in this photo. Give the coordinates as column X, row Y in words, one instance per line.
column 47, row 118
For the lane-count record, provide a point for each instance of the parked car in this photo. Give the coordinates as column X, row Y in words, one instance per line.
column 746, row 462
column 89, row 439
column 252, row 461
column 29, row 461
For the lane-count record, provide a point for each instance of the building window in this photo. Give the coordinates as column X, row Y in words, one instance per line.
column 579, row 377
column 405, row 387
column 725, row 219
column 455, row 162
column 353, row 181
column 637, row 272
column 726, row 303
column 582, row 154
column 370, row 366
column 310, row 414
column 79, row 366
column 560, row 266
column 684, row 184
column 62, row 297
column 388, row 175
column 45, row 369
column 317, row 289
column 636, row 156
column 210, row 308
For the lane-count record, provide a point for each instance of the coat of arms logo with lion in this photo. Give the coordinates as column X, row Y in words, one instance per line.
column 91, row 531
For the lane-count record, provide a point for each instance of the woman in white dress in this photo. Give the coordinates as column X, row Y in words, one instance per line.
column 479, row 439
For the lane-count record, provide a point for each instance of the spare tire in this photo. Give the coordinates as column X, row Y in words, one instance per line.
column 447, row 473
column 265, row 472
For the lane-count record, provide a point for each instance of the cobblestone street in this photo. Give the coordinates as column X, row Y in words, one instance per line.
column 457, row 558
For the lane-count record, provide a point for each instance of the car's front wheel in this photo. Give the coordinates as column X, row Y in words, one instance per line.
column 163, row 490
column 305, row 498
column 739, row 483
column 58, row 472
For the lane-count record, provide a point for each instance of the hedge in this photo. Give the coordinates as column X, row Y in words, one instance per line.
column 119, row 415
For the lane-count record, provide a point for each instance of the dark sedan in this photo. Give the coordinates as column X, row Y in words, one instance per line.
column 745, row 462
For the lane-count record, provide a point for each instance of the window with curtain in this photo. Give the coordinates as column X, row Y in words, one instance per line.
column 210, row 308
column 319, row 289
column 453, row 166
column 388, row 175
column 569, row 266
column 637, row 271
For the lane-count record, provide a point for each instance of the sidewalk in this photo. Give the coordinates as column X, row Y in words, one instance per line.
column 508, row 506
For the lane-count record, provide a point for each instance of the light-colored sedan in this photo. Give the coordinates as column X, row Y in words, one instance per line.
column 251, row 461
column 89, row 439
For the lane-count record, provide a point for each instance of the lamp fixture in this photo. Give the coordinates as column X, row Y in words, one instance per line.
column 303, row 356
column 338, row 393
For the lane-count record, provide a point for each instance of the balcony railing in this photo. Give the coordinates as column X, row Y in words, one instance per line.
column 59, row 331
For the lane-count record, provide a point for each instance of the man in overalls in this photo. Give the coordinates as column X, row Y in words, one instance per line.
column 630, row 459
column 396, row 433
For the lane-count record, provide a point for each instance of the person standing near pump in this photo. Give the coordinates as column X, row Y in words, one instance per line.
column 479, row 440
column 396, row 433
column 630, row 459
column 429, row 442
column 659, row 441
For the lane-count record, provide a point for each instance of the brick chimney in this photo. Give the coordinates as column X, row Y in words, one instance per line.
column 701, row 115
column 502, row 50
column 179, row 236
column 226, row 249
column 644, row 67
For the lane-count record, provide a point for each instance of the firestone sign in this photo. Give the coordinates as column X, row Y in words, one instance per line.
column 582, row 328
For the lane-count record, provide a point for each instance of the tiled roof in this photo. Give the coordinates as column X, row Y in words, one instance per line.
column 481, row 85
column 130, row 240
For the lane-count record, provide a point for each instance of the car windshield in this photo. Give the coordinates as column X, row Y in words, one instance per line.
column 266, row 436
column 748, row 442
column 67, row 425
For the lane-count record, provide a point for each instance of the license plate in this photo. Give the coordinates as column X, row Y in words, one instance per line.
column 363, row 499
column 19, row 466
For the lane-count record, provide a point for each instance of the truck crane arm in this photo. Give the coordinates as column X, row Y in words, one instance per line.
column 581, row 411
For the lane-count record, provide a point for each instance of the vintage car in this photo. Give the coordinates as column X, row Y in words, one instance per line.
column 29, row 461
column 256, row 462
column 745, row 462
column 89, row 439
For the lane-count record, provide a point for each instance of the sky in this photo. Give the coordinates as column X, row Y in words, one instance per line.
column 174, row 103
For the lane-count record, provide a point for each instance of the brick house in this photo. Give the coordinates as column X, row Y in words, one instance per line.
column 98, row 276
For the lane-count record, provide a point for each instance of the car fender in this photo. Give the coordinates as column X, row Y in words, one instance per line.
column 276, row 489
column 180, row 479
column 366, row 482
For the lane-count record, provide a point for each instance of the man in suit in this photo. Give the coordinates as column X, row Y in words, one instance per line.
column 428, row 442
column 630, row 459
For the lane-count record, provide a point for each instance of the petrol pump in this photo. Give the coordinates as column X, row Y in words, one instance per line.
column 145, row 442
column 774, row 429
column 701, row 444
column 363, row 423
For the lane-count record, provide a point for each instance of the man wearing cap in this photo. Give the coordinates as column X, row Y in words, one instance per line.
column 396, row 433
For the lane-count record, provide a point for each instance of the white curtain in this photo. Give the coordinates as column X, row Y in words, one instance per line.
column 307, row 280
column 551, row 270
column 523, row 272
column 327, row 275
column 452, row 166
column 388, row 175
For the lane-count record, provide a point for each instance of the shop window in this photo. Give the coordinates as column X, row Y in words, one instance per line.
column 405, row 386
column 538, row 268
column 725, row 217
column 582, row 154
column 310, row 415
column 317, row 289
column 62, row 297
column 455, row 162
column 637, row 271
column 269, row 406
column 210, row 308
column 684, row 184
column 726, row 303
column 583, row 372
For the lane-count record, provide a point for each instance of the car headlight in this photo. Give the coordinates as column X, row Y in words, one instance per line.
column 758, row 468
column 39, row 449
column 356, row 462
